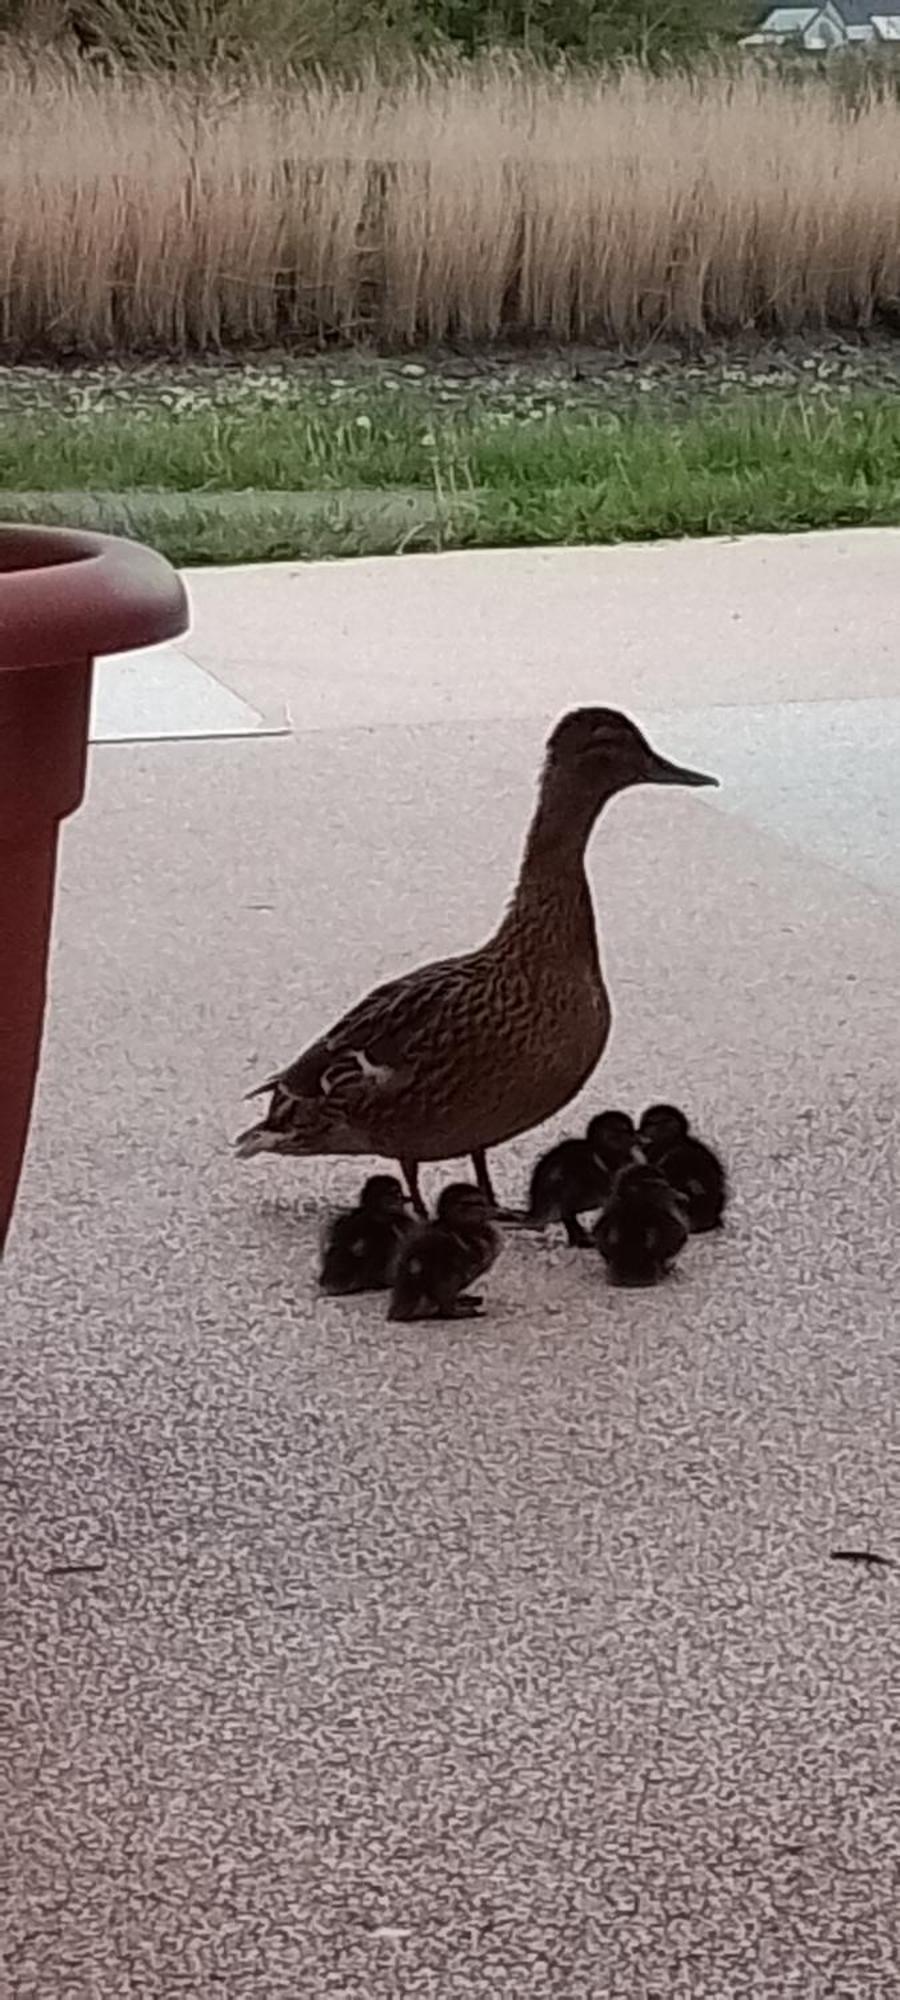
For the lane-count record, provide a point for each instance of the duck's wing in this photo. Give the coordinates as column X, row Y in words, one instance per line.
column 396, row 1029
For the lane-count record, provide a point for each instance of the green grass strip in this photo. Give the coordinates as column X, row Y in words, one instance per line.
column 550, row 477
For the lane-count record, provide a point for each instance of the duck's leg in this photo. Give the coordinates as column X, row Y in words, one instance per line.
column 483, row 1178
column 410, row 1171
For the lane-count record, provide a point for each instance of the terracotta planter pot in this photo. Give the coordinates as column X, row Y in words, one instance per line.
column 65, row 597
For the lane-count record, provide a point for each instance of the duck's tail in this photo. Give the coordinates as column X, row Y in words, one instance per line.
column 307, row 1132
column 259, row 1089
column 257, row 1139
column 298, row 1126
column 291, row 1125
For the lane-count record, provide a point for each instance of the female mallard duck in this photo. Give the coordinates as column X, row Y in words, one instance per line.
column 466, row 1053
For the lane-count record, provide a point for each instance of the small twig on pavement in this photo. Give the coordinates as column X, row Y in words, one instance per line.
column 76, row 1569
column 869, row 1558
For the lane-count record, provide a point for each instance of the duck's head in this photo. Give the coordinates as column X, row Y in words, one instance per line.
column 595, row 752
column 612, row 1138
column 462, row 1206
column 661, row 1127
column 383, row 1195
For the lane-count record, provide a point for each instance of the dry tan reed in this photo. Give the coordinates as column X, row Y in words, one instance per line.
column 148, row 214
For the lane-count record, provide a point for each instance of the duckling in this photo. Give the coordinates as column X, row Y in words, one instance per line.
column 444, row 1257
column 576, row 1175
column 466, row 1053
column 613, row 1139
column 566, row 1182
column 362, row 1245
column 690, row 1167
column 642, row 1229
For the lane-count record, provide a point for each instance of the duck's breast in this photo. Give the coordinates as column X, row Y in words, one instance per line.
column 517, row 1071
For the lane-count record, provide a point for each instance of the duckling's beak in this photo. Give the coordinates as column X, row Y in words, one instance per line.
column 661, row 772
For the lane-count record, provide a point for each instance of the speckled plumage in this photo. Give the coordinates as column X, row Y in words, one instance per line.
column 466, row 1053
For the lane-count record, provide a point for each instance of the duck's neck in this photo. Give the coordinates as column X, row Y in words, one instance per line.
column 552, row 890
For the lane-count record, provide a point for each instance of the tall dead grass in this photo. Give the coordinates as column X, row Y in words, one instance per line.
column 151, row 213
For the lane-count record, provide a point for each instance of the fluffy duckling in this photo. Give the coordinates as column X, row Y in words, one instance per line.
column 362, row 1245
column 566, row 1182
column 444, row 1257
column 642, row 1229
column 694, row 1171
column 576, row 1175
column 613, row 1139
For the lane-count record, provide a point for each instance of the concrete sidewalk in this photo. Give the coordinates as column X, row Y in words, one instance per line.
column 492, row 1663
column 521, row 632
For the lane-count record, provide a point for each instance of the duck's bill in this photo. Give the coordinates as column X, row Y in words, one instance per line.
column 661, row 772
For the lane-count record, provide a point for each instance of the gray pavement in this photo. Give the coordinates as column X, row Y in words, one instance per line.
column 498, row 1661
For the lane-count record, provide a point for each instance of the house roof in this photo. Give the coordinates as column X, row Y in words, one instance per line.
column 788, row 20
column 859, row 14
column 855, row 13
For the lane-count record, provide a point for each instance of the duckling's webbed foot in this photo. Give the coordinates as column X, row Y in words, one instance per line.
column 449, row 1303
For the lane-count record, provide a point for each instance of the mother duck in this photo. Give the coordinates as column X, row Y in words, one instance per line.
column 466, row 1053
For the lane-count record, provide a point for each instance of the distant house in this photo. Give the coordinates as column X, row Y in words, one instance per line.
column 836, row 25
